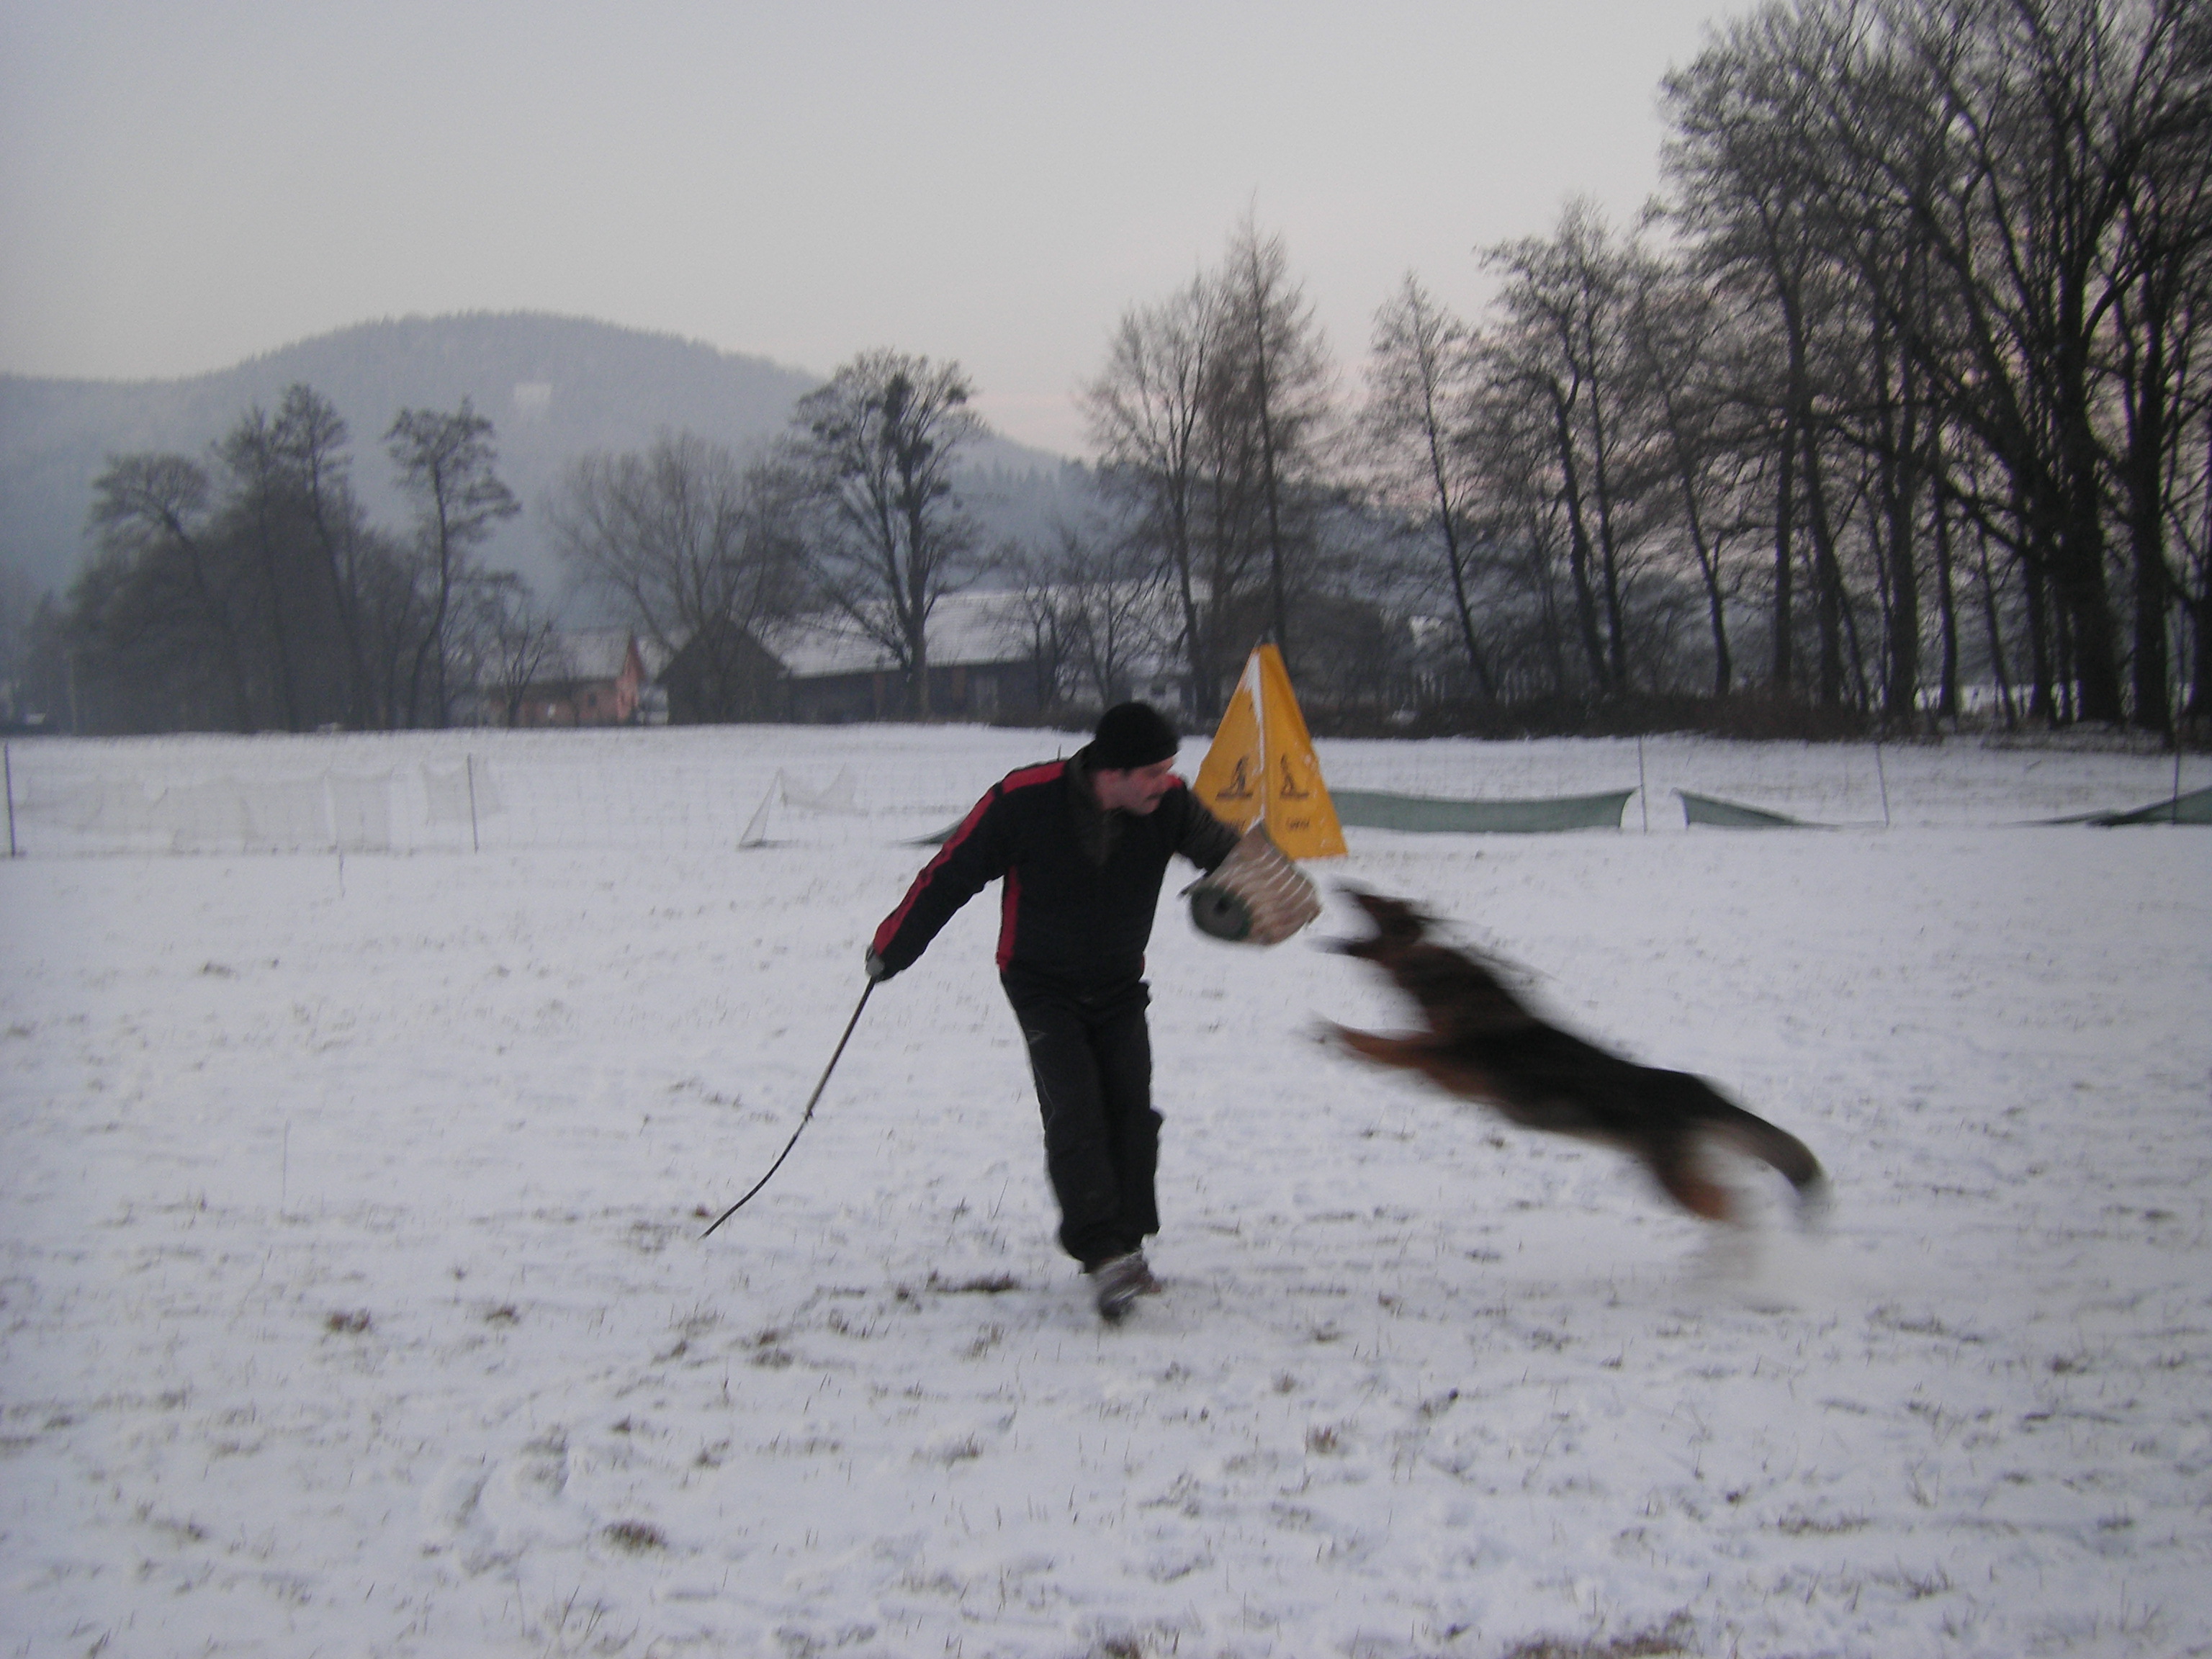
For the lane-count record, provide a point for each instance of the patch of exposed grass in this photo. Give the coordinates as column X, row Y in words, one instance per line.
column 1795, row 1525
column 984, row 1285
column 1671, row 1638
column 637, row 1537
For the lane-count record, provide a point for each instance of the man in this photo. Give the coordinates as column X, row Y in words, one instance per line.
column 1081, row 846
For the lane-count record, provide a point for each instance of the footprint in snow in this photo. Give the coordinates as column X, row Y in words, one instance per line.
column 526, row 1499
column 488, row 1512
column 449, row 1501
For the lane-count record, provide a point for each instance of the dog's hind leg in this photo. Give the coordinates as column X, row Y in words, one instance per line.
column 1675, row 1164
column 1754, row 1137
column 1383, row 1050
column 1721, row 1119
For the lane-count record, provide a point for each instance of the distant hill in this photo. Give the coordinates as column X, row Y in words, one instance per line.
column 554, row 388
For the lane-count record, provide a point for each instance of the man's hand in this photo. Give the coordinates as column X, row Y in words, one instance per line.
column 1254, row 896
column 877, row 971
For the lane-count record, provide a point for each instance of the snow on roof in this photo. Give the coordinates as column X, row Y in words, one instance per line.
column 596, row 654
column 964, row 629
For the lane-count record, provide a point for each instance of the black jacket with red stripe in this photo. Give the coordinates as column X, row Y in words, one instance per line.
column 1081, row 882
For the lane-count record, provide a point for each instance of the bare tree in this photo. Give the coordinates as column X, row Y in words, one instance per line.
column 2162, row 269
column 1093, row 600
column 1421, row 377
column 1279, row 384
column 1147, row 415
column 1211, row 417
column 702, row 552
column 1747, row 157
column 1677, row 334
column 260, row 595
column 2044, row 120
column 1515, row 509
column 448, row 464
column 164, row 580
column 878, row 447
column 501, row 642
column 1563, row 346
column 393, row 609
column 257, row 516
column 310, row 439
column 2190, row 519
column 20, row 604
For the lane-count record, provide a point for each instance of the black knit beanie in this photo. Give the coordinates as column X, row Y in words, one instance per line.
column 1131, row 735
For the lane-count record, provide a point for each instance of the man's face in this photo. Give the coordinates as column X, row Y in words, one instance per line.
column 1137, row 790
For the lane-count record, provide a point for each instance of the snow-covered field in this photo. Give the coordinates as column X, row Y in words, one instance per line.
column 354, row 1303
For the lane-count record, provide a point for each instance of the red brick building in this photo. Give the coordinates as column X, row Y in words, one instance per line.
column 593, row 677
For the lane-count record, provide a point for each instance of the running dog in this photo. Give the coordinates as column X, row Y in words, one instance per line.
column 1483, row 1043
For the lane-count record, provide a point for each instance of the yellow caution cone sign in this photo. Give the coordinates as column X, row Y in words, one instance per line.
column 1261, row 768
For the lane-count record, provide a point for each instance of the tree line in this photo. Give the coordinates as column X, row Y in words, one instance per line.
column 1890, row 409
column 249, row 591
column 1931, row 333
column 1896, row 394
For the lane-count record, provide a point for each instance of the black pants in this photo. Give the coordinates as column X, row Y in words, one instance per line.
column 1092, row 1059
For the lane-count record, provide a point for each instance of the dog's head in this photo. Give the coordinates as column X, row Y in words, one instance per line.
column 1397, row 926
column 1459, row 994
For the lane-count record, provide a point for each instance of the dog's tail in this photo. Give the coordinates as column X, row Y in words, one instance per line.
column 1754, row 1137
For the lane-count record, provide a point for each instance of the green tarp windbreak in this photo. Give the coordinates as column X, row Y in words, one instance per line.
column 1374, row 809
column 2195, row 807
column 1728, row 815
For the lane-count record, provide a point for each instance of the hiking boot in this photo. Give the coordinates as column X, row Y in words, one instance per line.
column 1120, row 1281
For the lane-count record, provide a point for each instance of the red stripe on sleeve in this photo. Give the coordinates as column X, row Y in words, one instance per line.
column 1009, row 905
column 891, row 923
column 1025, row 777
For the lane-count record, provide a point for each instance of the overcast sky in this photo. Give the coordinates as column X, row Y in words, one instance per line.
column 187, row 183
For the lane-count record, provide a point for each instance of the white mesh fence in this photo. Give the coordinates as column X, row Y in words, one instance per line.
column 466, row 792
column 749, row 787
